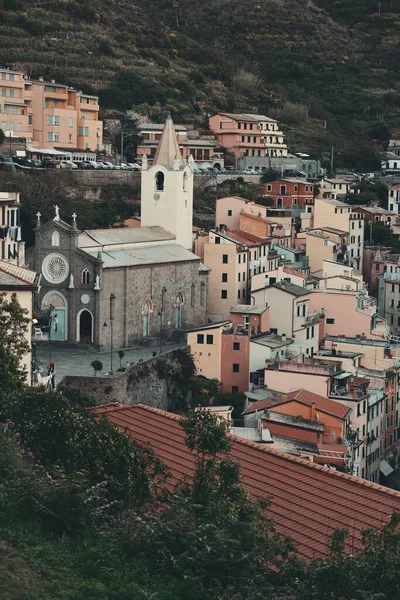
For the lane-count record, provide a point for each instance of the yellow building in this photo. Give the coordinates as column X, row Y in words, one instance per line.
column 24, row 283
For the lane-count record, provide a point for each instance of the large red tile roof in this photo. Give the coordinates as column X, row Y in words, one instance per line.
column 291, row 271
column 308, row 502
column 323, row 404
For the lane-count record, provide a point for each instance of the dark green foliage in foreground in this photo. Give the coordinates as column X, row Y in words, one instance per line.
column 85, row 512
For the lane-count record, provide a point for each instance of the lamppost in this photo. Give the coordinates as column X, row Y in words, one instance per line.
column 124, row 134
column 111, row 318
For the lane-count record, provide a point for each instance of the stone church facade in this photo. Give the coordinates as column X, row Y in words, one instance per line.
column 141, row 279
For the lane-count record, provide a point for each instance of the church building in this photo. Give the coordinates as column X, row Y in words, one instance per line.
column 127, row 284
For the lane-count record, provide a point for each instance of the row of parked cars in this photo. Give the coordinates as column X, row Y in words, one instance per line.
column 49, row 163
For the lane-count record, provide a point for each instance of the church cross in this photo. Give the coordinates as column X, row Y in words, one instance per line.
column 74, row 217
column 38, row 214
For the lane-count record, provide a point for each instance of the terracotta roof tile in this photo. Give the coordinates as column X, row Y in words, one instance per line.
column 291, row 271
column 308, row 502
column 323, row 404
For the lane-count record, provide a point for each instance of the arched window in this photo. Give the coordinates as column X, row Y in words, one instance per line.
column 159, row 181
column 85, row 276
column 178, row 311
column 55, row 238
column 185, row 178
column 147, row 309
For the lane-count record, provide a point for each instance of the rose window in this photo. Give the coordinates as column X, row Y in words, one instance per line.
column 55, row 268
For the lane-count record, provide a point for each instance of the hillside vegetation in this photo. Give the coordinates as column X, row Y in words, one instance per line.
column 300, row 61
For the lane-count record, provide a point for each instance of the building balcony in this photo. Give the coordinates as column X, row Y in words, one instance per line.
column 312, row 318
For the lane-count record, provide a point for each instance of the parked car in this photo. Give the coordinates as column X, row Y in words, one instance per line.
column 86, row 164
column 22, row 161
column 134, row 167
column 67, row 164
column 249, row 171
column 37, row 163
column 48, row 163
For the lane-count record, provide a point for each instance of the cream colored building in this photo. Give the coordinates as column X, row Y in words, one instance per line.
column 341, row 216
column 24, row 283
column 12, row 248
column 49, row 115
column 291, row 316
column 233, row 257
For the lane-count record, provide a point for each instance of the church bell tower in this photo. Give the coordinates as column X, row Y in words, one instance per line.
column 167, row 189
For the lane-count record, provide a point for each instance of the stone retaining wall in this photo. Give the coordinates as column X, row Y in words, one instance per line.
column 139, row 384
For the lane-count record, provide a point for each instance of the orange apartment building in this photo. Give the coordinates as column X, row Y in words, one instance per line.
column 248, row 135
column 203, row 150
column 222, row 350
column 49, row 115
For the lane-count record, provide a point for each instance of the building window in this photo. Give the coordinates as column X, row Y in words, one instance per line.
column 83, row 131
column 238, row 294
column 200, row 338
column 330, row 321
column 235, row 367
column 243, row 293
column 70, row 122
column 229, row 213
column 236, row 345
column 225, row 258
column 224, row 278
column 55, row 238
column 238, row 276
column 210, row 339
column 235, row 389
column 217, row 240
column 159, row 181
column 202, row 293
column 224, row 294
column 85, row 276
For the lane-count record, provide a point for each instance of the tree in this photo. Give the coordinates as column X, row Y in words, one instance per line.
column 270, row 175
column 97, row 365
column 13, row 344
column 2, row 137
column 132, row 138
column 121, row 355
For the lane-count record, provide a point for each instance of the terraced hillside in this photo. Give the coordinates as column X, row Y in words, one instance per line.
column 303, row 62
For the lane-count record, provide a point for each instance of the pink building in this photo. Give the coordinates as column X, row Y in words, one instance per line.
column 248, row 135
column 49, row 115
column 347, row 312
column 221, row 350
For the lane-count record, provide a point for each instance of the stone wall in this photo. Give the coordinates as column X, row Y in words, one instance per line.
column 139, row 384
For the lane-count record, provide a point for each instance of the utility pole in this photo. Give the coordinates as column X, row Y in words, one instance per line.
column 332, row 161
column 122, row 148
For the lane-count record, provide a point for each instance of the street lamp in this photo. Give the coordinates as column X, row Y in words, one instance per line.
column 111, row 318
column 124, row 134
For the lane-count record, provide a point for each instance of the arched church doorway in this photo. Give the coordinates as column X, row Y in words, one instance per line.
column 56, row 304
column 84, row 330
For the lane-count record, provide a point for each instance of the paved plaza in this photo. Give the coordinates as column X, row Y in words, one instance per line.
column 76, row 361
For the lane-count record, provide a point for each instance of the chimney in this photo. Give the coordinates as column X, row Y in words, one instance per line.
column 312, row 416
column 283, row 336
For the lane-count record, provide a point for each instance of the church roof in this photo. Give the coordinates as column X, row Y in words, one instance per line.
column 168, row 148
column 96, row 238
column 144, row 255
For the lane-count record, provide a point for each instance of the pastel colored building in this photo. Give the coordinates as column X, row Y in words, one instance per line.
column 221, row 350
column 290, row 314
column 12, row 248
column 377, row 262
column 24, row 284
column 389, row 300
column 333, row 188
column 346, row 312
column 233, row 258
column 330, row 381
column 49, row 115
column 341, row 216
column 394, row 198
column 248, row 135
column 203, row 150
column 291, row 193
column 266, row 228
column 16, row 113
